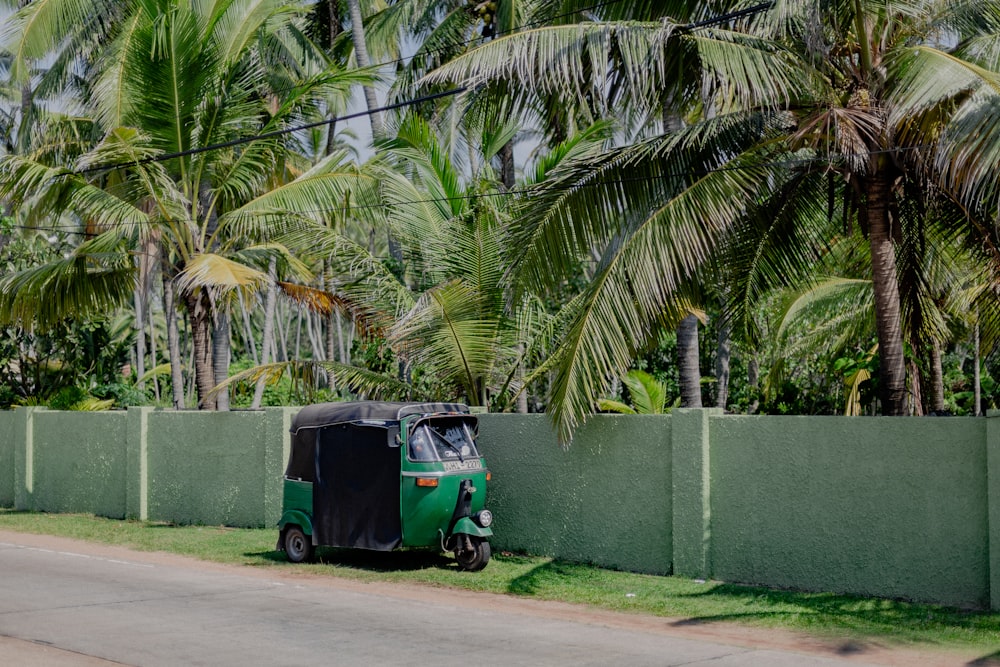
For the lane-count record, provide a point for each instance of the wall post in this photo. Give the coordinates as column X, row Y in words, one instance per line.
column 137, row 463
column 993, row 503
column 24, row 458
column 692, row 514
column 277, row 442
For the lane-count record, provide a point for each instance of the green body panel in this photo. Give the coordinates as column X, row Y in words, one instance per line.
column 297, row 505
column 296, row 518
column 466, row 526
column 427, row 511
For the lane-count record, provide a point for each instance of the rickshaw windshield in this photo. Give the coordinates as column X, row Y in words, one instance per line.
column 442, row 439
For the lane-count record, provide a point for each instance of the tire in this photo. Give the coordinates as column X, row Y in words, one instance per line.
column 298, row 545
column 476, row 558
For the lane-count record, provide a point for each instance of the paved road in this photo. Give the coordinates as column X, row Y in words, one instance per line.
column 68, row 605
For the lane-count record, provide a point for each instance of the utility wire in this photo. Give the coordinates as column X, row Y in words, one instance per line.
column 277, row 133
column 266, row 135
column 827, row 159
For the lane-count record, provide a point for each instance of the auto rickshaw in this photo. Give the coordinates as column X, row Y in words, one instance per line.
column 378, row 475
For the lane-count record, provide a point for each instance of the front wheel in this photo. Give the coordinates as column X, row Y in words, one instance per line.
column 472, row 552
column 298, row 545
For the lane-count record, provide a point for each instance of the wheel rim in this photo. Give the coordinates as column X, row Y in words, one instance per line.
column 295, row 545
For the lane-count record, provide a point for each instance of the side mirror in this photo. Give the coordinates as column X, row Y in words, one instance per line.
column 393, row 438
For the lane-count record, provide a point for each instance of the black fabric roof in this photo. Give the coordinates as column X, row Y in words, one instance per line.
column 325, row 414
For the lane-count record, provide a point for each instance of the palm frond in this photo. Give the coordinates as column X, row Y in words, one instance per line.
column 220, row 274
column 82, row 284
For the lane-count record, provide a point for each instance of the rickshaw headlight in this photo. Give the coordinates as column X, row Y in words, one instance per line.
column 484, row 518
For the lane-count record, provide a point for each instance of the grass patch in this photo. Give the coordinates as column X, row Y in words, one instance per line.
column 824, row 614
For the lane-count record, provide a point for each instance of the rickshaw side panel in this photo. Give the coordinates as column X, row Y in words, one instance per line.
column 356, row 495
column 297, row 495
column 296, row 518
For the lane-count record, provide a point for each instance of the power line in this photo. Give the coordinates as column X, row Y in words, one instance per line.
column 265, row 135
column 532, row 191
column 277, row 133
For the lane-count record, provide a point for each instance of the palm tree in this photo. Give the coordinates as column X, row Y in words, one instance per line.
column 451, row 318
column 648, row 396
column 194, row 99
column 811, row 102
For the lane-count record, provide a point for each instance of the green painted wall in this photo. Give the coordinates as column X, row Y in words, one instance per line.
column 889, row 507
column 605, row 500
column 79, row 462
column 896, row 507
column 207, row 468
column 8, row 445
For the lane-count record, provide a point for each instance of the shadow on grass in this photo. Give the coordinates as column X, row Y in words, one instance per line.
column 403, row 560
column 539, row 577
column 703, row 603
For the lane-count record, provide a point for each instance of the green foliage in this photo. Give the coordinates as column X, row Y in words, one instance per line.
column 73, row 353
column 290, row 388
column 67, row 398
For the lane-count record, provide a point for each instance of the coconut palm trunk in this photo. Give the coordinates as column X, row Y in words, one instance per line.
column 885, row 284
column 268, row 337
column 221, row 346
column 361, row 55
column 722, row 362
column 200, row 315
column 687, row 362
column 173, row 344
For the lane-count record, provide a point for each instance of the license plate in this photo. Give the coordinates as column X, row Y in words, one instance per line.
column 471, row 464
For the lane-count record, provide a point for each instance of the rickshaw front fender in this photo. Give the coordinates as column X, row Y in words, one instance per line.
column 296, row 518
column 466, row 526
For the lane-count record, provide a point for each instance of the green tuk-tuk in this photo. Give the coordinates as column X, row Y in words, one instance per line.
column 378, row 475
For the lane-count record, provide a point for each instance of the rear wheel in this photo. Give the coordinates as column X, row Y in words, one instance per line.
column 298, row 545
column 475, row 558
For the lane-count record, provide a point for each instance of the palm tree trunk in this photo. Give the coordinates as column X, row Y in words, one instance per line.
column 722, row 360
column 522, row 396
column 200, row 318
column 221, row 347
column 936, row 403
column 976, row 378
column 265, row 346
column 361, row 55
column 753, row 379
column 140, row 337
column 173, row 344
column 687, row 362
column 153, row 355
column 507, row 165
column 916, row 390
column 248, row 337
column 892, row 364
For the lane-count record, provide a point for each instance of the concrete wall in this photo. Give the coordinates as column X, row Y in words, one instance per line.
column 80, row 462
column 8, row 425
column 605, row 500
column 897, row 507
column 887, row 507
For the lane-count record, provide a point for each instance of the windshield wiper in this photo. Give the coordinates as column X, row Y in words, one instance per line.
column 446, row 442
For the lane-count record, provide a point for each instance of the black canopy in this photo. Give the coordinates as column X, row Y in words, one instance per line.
column 327, row 414
column 302, row 458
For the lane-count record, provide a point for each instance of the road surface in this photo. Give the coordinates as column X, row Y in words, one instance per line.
column 68, row 603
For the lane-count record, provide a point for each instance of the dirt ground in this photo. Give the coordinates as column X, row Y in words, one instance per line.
column 27, row 654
